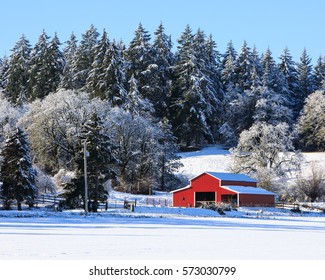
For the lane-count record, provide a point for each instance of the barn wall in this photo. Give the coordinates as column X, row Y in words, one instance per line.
column 256, row 200
column 208, row 183
column 183, row 198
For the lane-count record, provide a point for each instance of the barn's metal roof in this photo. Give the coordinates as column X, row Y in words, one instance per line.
column 247, row 190
column 231, row 177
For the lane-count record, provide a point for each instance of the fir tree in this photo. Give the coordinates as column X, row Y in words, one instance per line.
column 228, row 74
column 305, row 81
column 94, row 84
column 319, row 73
column 188, row 101
column 17, row 73
column 4, row 66
column 244, row 68
column 99, row 166
column 46, row 67
column 17, row 172
column 69, row 53
column 113, row 79
column 139, row 59
column 84, row 57
column 163, row 61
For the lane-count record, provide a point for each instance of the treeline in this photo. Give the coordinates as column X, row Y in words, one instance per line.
column 135, row 105
column 207, row 96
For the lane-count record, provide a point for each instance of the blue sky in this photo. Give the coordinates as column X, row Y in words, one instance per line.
column 275, row 24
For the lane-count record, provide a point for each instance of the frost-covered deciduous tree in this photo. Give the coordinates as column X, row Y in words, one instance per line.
column 311, row 123
column 54, row 130
column 266, row 152
column 312, row 185
column 9, row 116
column 145, row 153
column 17, row 172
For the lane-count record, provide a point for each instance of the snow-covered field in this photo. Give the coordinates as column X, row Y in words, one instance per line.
column 156, row 232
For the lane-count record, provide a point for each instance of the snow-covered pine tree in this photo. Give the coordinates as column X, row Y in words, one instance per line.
column 211, row 85
column 94, row 85
column 273, row 98
column 139, row 59
column 17, row 73
column 244, row 68
column 162, row 62
column 46, row 66
column 167, row 159
column 114, row 76
column 55, row 64
column 319, row 73
column 228, row 74
column 4, row 66
column 189, row 107
column 84, row 57
column 17, row 172
column 99, row 165
column 69, row 53
column 135, row 104
column 305, row 81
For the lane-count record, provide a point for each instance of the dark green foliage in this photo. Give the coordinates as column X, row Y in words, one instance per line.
column 17, row 173
column 99, row 166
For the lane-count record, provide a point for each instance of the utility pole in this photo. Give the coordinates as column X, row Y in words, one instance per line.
column 85, row 175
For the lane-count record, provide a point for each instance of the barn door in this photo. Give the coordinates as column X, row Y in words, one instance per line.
column 204, row 197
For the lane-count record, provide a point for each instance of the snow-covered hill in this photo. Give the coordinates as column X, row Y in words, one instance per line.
column 217, row 158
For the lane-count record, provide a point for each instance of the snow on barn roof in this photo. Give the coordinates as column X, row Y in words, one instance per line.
column 231, row 177
column 187, row 187
column 247, row 190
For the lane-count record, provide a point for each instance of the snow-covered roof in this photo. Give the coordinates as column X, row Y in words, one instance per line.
column 231, row 177
column 187, row 187
column 247, row 190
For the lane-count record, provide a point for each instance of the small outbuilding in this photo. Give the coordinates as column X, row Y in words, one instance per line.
column 214, row 187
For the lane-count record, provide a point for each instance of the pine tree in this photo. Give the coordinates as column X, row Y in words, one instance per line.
column 228, row 74
column 94, row 85
column 4, row 66
column 69, row 53
column 139, row 59
column 114, row 77
column 319, row 73
column 17, row 73
column 244, row 68
column 287, row 67
column 17, row 172
column 305, row 81
column 46, row 66
column 99, row 166
column 84, row 57
column 188, row 96
column 163, row 61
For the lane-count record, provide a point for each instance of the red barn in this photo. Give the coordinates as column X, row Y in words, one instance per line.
column 238, row 189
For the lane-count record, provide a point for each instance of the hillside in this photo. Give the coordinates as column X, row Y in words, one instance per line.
column 216, row 158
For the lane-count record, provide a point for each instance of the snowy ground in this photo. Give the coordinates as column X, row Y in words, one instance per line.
column 162, row 233
column 156, row 232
